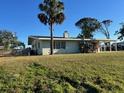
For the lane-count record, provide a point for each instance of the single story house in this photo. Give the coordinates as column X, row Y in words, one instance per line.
column 62, row 45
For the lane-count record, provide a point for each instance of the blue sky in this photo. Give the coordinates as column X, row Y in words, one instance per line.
column 20, row 16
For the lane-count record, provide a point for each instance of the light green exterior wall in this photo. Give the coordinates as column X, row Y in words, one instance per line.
column 44, row 49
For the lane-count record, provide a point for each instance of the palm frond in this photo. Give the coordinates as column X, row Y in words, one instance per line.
column 59, row 18
column 43, row 7
column 51, row 20
column 43, row 18
column 52, row 12
column 60, row 5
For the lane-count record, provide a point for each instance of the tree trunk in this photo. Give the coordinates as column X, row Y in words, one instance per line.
column 51, row 41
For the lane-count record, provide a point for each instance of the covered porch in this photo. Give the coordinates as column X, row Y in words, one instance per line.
column 99, row 45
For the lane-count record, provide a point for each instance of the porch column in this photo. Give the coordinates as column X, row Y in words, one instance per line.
column 99, row 47
column 116, row 47
column 104, row 47
column 110, row 47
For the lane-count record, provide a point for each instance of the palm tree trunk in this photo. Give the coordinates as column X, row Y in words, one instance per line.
column 51, row 41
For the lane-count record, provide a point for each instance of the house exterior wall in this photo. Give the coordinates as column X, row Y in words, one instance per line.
column 37, row 46
column 72, row 46
column 44, row 48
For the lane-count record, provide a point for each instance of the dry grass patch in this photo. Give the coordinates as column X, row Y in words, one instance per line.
column 89, row 73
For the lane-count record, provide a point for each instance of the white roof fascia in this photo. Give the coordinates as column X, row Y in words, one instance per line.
column 75, row 39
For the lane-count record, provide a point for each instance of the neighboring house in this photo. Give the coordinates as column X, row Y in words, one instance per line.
column 62, row 45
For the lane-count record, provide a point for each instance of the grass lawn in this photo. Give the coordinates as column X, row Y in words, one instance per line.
column 69, row 73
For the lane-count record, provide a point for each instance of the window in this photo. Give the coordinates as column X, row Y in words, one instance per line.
column 59, row 44
column 63, row 45
column 38, row 44
column 33, row 46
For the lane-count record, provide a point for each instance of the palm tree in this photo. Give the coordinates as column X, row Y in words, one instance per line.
column 52, row 13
